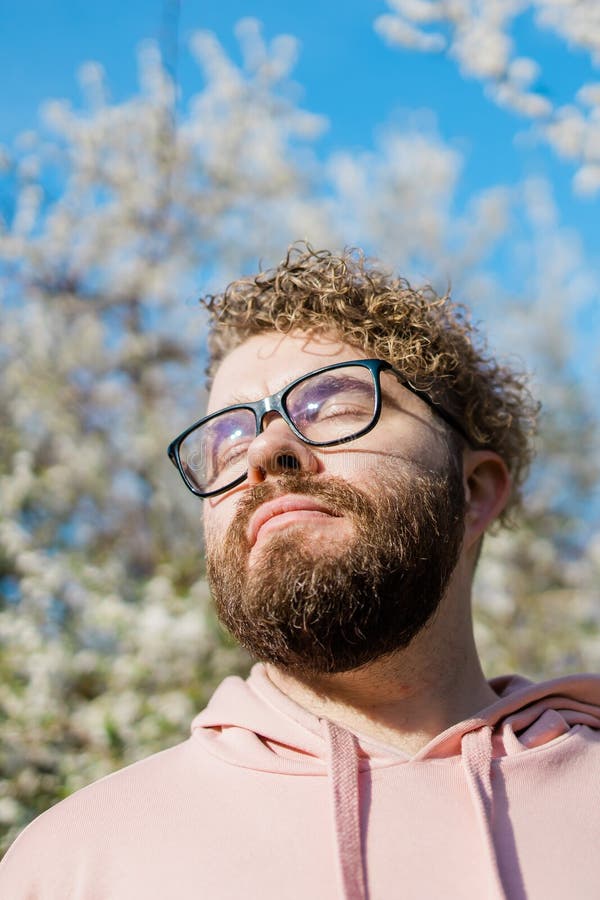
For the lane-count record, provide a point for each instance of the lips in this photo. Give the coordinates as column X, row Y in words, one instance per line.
column 282, row 506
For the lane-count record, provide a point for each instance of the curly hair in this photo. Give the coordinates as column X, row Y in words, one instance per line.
column 428, row 337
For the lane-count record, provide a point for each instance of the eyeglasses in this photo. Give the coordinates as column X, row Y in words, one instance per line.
column 324, row 408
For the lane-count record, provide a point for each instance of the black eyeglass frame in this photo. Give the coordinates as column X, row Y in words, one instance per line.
column 276, row 403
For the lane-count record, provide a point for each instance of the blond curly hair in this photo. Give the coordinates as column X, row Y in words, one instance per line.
column 426, row 336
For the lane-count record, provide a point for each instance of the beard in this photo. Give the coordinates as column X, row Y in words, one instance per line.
column 312, row 609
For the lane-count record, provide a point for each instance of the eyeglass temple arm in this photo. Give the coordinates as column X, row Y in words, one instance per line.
column 439, row 410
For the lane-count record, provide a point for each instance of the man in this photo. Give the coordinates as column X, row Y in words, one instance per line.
column 357, row 446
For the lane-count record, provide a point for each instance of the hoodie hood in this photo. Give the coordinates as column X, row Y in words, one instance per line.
column 254, row 725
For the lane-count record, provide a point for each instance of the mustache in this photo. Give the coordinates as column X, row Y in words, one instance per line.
column 337, row 494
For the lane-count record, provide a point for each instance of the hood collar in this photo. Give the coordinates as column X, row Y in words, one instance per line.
column 282, row 735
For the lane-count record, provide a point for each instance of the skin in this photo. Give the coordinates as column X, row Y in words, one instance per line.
column 409, row 697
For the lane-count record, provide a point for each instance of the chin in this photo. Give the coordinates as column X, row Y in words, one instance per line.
column 321, row 541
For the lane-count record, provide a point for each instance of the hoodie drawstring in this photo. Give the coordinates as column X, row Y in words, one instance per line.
column 342, row 765
column 476, row 748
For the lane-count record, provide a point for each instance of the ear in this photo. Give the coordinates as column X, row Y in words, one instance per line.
column 487, row 485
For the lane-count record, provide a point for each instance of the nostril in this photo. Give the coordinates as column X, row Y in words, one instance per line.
column 287, row 461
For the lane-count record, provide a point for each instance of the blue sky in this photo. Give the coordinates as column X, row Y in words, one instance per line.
column 345, row 71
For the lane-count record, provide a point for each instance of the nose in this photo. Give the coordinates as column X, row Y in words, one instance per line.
column 276, row 450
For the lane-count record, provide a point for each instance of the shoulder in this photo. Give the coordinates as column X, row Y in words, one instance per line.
column 125, row 790
column 116, row 807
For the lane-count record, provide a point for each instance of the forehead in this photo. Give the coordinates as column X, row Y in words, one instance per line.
column 266, row 362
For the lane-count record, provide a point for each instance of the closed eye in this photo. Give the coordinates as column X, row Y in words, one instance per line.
column 230, row 453
column 340, row 408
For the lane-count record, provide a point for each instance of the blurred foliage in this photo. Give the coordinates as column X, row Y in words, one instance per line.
column 113, row 215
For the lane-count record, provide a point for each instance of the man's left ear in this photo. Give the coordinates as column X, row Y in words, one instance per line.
column 487, row 485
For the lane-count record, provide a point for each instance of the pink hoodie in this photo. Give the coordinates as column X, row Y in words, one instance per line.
column 265, row 800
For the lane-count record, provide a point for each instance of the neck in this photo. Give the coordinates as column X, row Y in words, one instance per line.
column 405, row 699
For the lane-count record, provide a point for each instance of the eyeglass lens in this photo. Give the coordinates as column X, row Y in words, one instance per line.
column 330, row 406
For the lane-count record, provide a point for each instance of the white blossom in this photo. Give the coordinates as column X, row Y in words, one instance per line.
column 108, row 644
column 479, row 37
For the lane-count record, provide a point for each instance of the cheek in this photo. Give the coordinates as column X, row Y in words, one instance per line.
column 219, row 513
column 216, row 521
column 363, row 465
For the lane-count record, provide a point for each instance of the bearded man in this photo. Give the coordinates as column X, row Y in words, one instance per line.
column 358, row 444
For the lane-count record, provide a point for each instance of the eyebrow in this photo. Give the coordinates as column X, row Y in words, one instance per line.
column 244, row 398
column 239, row 398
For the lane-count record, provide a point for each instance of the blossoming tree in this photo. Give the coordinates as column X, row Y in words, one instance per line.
column 119, row 215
